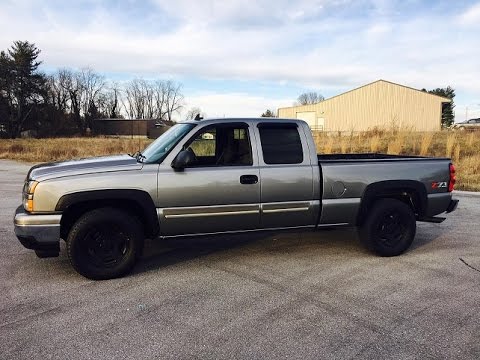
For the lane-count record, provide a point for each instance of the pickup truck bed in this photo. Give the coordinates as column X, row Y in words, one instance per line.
column 348, row 187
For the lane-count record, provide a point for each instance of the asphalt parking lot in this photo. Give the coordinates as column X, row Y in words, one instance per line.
column 290, row 296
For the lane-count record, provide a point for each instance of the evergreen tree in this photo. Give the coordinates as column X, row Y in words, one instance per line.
column 269, row 113
column 22, row 86
column 448, row 116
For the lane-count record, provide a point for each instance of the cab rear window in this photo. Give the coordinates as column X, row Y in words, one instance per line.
column 281, row 144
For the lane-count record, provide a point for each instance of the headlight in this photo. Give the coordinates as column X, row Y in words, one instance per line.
column 28, row 192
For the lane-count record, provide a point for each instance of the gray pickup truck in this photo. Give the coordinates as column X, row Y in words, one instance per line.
column 220, row 176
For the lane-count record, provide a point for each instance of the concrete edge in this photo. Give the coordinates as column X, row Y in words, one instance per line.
column 466, row 193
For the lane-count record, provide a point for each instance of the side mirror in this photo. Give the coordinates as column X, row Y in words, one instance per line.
column 182, row 160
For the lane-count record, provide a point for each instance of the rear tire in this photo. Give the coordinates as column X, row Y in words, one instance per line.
column 105, row 243
column 389, row 229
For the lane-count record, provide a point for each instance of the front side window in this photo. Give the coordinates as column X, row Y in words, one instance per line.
column 281, row 144
column 221, row 145
column 204, row 144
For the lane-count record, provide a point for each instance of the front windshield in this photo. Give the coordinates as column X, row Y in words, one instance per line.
column 158, row 150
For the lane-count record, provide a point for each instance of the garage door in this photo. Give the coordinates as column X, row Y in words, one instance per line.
column 316, row 124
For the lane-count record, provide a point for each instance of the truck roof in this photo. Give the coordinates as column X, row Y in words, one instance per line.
column 239, row 119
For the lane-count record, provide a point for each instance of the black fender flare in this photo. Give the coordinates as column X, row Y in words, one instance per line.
column 119, row 197
column 393, row 189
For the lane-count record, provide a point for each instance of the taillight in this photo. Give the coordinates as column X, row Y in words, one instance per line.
column 453, row 178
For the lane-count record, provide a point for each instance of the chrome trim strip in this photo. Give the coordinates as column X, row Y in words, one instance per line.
column 334, row 224
column 176, row 216
column 341, row 201
column 37, row 220
column 285, row 210
column 240, row 209
column 287, row 206
column 203, row 211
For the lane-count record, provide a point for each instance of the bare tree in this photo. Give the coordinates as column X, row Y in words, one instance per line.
column 309, row 98
column 70, row 82
column 174, row 98
column 91, row 84
column 109, row 101
column 152, row 100
column 140, row 99
column 57, row 106
column 84, row 90
column 193, row 112
column 134, row 101
column 59, row 96
column 160, row 99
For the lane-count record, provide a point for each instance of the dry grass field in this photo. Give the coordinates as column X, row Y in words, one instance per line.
column 57, row 149
column 463, row 148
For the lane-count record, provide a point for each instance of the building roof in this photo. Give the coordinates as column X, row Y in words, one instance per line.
column 441, row 98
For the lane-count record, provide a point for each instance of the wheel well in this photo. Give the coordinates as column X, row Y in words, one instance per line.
column 415, row 197
column 73, row 212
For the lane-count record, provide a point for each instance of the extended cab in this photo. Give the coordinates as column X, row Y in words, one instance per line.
column 221, row 176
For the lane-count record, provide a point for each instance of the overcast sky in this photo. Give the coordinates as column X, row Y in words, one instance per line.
column 238, row 58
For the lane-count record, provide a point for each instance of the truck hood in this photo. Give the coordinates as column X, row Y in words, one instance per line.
column 83, row 166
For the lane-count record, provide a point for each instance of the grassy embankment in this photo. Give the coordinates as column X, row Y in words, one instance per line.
column 463, row 148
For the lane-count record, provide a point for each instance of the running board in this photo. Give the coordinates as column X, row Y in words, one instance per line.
column 432, row 219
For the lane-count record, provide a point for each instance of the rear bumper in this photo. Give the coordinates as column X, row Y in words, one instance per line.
column 439, row 203
column 452, row 206
column 38, row 232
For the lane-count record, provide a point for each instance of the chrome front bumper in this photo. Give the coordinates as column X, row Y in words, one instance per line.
column 38, row 232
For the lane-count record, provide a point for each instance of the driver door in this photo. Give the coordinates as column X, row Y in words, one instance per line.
column 219, row 191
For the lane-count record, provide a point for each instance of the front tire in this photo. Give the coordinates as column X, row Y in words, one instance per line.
column 105, row 243
column 389, row 229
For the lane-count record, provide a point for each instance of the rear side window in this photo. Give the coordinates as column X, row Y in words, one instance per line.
column 281, row 144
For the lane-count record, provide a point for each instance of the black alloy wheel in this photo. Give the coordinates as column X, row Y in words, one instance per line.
column 389, row 228
column 105, row 243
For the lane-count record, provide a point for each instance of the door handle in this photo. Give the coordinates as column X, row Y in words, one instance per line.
column 248, row 179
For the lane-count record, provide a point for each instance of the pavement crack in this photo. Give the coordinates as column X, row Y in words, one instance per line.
column 470, row 266
column 30, row 316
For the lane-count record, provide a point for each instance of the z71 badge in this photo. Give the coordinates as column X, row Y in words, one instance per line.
column 439, row 184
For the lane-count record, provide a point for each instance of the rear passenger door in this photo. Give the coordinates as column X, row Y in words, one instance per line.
column 286, row 176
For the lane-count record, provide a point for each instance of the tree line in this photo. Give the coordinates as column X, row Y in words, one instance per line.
column 67, row 101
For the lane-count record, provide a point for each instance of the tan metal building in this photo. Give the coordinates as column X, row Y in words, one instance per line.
column 381, row 105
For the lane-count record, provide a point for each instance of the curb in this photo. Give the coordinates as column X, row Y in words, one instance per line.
column 466, row 193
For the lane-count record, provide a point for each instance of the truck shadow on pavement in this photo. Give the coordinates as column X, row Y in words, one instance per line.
column 426, row 234
column 343, row 243
column 160, row 253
